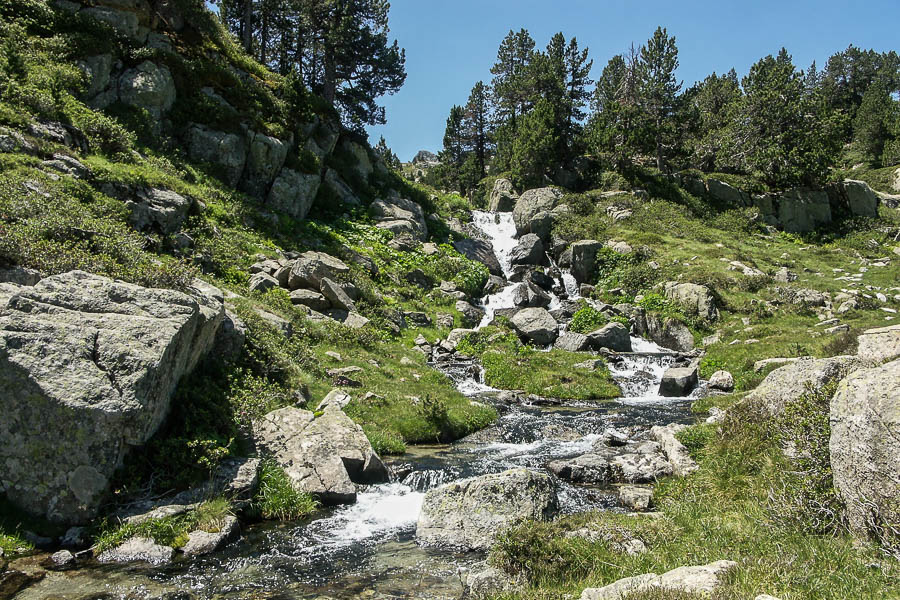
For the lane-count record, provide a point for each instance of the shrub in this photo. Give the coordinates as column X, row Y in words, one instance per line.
column 587, row 319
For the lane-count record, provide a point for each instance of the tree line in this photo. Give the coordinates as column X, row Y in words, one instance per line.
column 542, row 116
column 339, row 49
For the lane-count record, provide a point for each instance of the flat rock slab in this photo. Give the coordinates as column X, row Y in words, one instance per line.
column 203, row 542
column 880, row 345
column 138, row 549
column 701, row 580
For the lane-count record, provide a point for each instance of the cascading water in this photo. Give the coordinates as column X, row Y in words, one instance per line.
column 370, row 545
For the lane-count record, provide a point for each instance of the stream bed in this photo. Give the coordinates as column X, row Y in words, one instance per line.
column 368, row 549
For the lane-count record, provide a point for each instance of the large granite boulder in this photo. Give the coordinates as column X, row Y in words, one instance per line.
column 148, row 86
column 530, row 204
column 536, row 324
column 784, row 385
column 726, row 193
column 865, row 447
column 880, row 345
column 312, row 267
column 802, row 210
column 324, row 456
column 503, row 196
column 228, row 151
column 668, row 332
column 584, row 257
column 470, row 513
column 678, row 381
column 400, row 216
column 480, row 251
column 88, row 366
column 695, row 299
column 293, row 193
column 676, row 453
column 529, row 251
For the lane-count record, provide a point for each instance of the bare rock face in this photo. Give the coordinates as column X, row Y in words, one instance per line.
column 470, row 513
column 88, row 366
column 879, row 345
column 530, row 204
column 324, row 455
column 865, row 446
column 400, row 216
column 503, row 196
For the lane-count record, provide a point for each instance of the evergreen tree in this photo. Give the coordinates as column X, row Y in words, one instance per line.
column 510, row 82
column 782, row 135
column 578, row 69
column 659, row 88
column 387, row 155
column 454, row 154
column 871, row 126
column 714, row 102
column 476, row 128
column 534, row 146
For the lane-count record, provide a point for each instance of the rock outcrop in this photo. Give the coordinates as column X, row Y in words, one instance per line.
column 786, row 384
column 470, row 513
column 89, row 366
column 536, row 324
column 612, row 336
column 324, row 456
column 865, row 447
column 584, row 257
column 702, row 581
column 503, row 196
column 880, row 345
column 530, row 204
column 481, row 251
column 400, row 216
column 694, row 299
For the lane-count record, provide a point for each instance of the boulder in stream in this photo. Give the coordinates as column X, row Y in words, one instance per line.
column 536, row 325
column 678, row 381
column 470, row 513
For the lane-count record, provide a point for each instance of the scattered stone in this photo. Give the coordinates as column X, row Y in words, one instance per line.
column 529, row 204
column 761, row 365
column 529, row 251
column 784, row 275
column 722, row 381
column 62, row 560
column 335, row 398
column 310, row 298
column 591, row 365
column 336, row 295
column 482, row 581
column 471, row 314
column 571, row 341
column 584, row 257
column 400, row 216
column 593, row 468
column 646, row 465
column 480, row 251
column 355, row 320
column 469, row 513
column 262, row 282
column 311, row 268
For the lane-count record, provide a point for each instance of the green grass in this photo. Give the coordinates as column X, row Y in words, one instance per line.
column 721, row 512
column 277, row 498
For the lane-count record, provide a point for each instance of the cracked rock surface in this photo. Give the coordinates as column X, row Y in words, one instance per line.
column 88, row 366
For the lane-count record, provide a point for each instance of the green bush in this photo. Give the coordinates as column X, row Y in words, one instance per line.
column 587, row 319
column 276, row 497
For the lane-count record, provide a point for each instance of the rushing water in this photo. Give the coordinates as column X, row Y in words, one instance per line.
column 368, row 550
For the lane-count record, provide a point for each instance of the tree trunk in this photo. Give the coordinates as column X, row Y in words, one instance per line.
column 246, row 23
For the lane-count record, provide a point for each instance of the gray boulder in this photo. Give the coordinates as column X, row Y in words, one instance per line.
column 865, row 447
column 529, row 251
column 202, row 542
column 19, row 276
column 336, row 295
column 226, row 150
column 527, row 294
column 593, row 468
column 786, row 384
column 124, row 22
column 695, row 299
column 541, row 224
column 148, row 86
column 668, row 332
column 678, row 382
column 584, row 257
column 612, row 336
column 727, row 194
column 722, row 381
column 636, row 497
column 83, row 357
column 537, row 325
column 400, row 216
column 880, row 345
column 138, row 549
column 854, row 198
column 700, row 581
column 314, row 300
column 340, row 188
column 644, row 466
column 163, row 210
column 482, row 582
column 503, row 196
column 293, row 193
column 262, row 282
column 677, row 455
column 571, row 341
column 802, row 210
column 530, row 204
column 480, row 251
column 472, row 315
column 470, row 513
column 323, row 456
column 311, row 268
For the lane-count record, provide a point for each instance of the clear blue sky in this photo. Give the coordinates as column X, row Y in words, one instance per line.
column 452, row 44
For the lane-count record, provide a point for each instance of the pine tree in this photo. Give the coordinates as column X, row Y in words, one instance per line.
column 659, row 88
column 387, row 155
column 510, row 82
column 534, row 146
column 715, row 101
column 872, row 122
column 578, row 69
column 476, row 128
